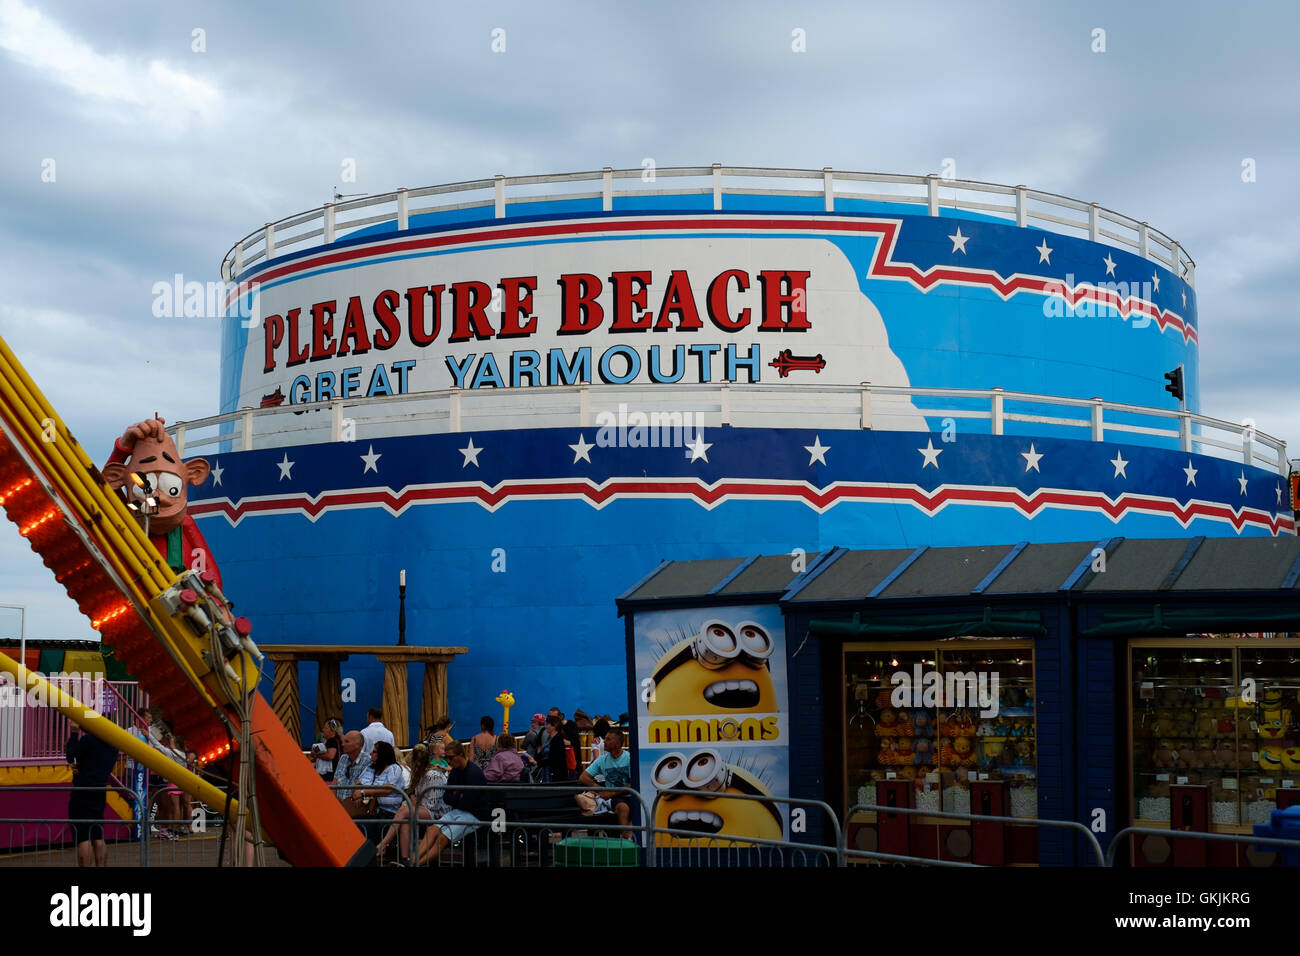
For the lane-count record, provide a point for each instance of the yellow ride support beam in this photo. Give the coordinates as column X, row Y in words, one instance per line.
column 96, row 724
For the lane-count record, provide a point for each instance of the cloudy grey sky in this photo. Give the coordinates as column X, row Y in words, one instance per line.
column 164, row 156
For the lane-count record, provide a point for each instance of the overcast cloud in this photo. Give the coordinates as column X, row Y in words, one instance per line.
column 165, row 156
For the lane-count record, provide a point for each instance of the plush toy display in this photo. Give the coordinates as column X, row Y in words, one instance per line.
column 886, row 757
column 923, row 755
column 887, row 725
column 921, row 724
column 1291, row 758
column 905, row 728
column 903, row 750
column 1206, row 725
column 985, row 729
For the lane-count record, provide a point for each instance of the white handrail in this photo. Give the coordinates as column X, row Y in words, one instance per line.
column 931, row 191
column 738, row 404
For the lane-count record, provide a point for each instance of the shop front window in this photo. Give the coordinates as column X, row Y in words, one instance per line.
column 1219, row 712
column 941, row 717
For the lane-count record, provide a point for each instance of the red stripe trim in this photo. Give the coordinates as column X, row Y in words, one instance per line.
column 931, row 502
column 882, row 264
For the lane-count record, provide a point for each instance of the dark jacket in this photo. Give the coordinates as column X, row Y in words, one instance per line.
column 92, row 760
column 551, row 758
column 475, row 802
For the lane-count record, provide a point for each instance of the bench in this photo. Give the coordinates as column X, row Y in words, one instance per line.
column 559, row 812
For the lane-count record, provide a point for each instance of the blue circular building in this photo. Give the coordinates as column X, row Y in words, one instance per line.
column 529, row 392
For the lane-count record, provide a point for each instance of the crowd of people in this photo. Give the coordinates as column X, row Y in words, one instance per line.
column 371, row 776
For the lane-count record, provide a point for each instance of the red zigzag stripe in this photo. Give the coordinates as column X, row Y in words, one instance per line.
column 710, row 495
column 882, row 264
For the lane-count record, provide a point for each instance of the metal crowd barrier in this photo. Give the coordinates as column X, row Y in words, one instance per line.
column 970, row 817
column 1262, row 841
column 692, row 848
column 375, row 828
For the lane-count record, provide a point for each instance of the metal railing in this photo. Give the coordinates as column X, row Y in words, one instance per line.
column 33, row 733
column 866, row 406
column 1266, row 843
column 1019, row 204
column 1078, row 828
column 501, row 840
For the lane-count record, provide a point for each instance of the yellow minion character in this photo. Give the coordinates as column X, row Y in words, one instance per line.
column 693, row 797
column 718, row 671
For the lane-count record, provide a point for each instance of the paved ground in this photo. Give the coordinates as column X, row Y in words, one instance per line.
column 185, row 852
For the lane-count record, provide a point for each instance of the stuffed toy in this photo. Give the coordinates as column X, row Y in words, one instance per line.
column 1270, row 758
column 1024, row 754
column 903, row 751
column 921, row 724
column 923, row 756
column 887, row 725
column 985, row 729
column 1225, row 756
column 907, row 773
column 1245, row 756
column 1271, row 698
column 886, row 757
column 1291, row 758
column 1185, row 721
column 1205, row 756
column 992, row 754
column 1163, row 758
column 1206, row 725
column 962, row 725
column 1273, row 725
column 962, row 753
column 905, row 728
column 145, row 449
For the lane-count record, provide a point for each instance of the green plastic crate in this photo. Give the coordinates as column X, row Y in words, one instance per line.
column 596, row 851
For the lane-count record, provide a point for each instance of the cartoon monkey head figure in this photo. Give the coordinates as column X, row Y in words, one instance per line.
column 152, row 458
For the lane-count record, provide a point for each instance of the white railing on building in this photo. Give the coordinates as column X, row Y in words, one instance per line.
column 1019, row 204
column 830, row 407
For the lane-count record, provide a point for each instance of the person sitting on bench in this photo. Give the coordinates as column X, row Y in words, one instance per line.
column 467, row 808
column 615, row 766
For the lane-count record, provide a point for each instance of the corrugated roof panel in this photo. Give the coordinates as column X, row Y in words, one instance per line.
column 853, row 576
column 772, row 573
column 1040, row 567
column 1138, row 564
column 686, row 579
column 947, row 571
column 1239, row 563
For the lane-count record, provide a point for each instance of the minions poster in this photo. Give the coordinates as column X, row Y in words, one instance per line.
column 712, row 719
